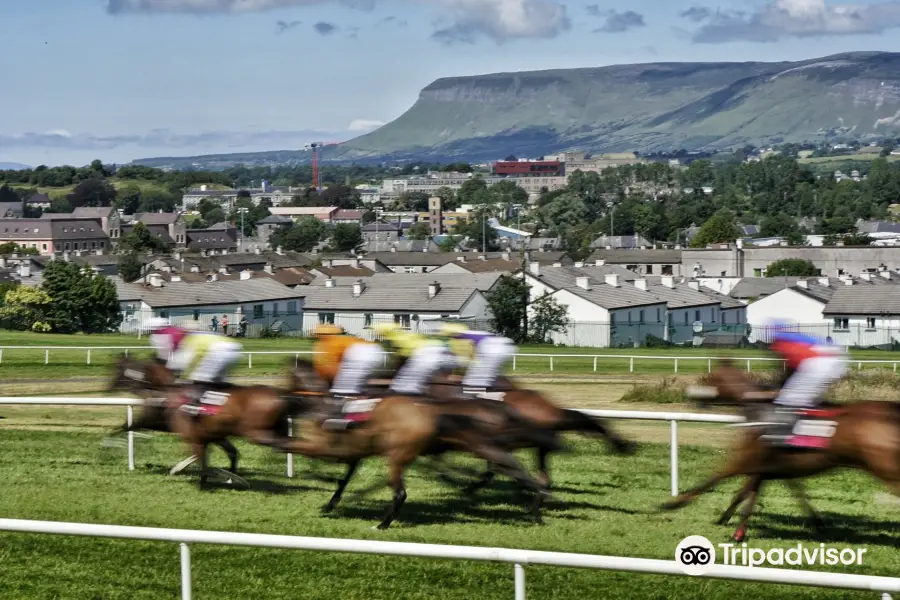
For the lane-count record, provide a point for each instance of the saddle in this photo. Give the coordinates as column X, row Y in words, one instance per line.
column 809, row 429
column 350, row 413
column 205, row 400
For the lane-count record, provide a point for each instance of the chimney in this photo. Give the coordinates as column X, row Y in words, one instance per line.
column 848, row 281
column 354, row 262
column 583, row 282
column 155, row 280
column 612, row 279
column 461, row 259
column 279, row 251
column 694, row 285
column 257, row 250
column 195, row 268
column 24, row 270
column 329, row 283
column 824, row 281
column 177, row 255
column 885, row 274
column 358, row 287
column 223, row 270
column 668, row 281
column 579, row 265
column 66, row 256
column 506, row 256
column 433, row 289
column 482, row 257
column 269, row 269
column 212, row 277
column 803, row 283
column 393, row 248
column 599, row 262
column 535, row 268
column 640, row 284
column 175, row 278
column 99, row 252
column 2, row 262
column 245, row 274
column 865, row 276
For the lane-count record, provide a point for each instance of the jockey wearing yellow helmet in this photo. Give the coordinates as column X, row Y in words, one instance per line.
column 345, row 362
column 487, row 354
column 204, row 358
column 421, row 358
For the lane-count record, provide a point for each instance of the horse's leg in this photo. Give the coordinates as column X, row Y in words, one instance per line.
column 741, row 532
column 232, row 453
column 799, row 491
column 506, row 464
column 739, row 497
column 692, row 494
column 398, row 464
column 485, row 479
column 342, row 484
column 199, row 450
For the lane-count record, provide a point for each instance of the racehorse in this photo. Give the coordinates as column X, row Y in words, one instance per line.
column 151, row 380
column 537, row 410
column 403, row 428
column 865, row 436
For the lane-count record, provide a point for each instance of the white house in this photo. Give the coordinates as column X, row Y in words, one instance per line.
column 800, row 304
column 411, row 302
column 864, row 317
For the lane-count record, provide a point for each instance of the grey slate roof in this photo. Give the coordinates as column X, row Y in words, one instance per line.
column 757, row 287
column 822, row 293
column 564, row 277
column 92, row 212
column 56, row 229
column 387, row 299
column 726, row 302
column 156, row 218
column 680, row 296
column 876, row 300
column 404, row 281
column 620, row 241
column 214, row 293
column 275, row 220
column 11, row 209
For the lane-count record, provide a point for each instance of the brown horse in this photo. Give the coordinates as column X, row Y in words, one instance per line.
column 151, row 381
column 536, row 409
column 866, row 436
column 403, row 428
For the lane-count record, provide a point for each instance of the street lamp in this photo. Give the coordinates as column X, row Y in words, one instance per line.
column 377, row 218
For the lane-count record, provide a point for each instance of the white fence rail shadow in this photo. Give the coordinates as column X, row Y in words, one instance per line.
column 519, row 558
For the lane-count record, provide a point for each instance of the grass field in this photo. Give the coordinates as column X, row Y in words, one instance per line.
column 28, row 363
column 55, row 468
column 59, row 192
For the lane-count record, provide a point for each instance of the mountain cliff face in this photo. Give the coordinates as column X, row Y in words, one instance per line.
column 644, row 107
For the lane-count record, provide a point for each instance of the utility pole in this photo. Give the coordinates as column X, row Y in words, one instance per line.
column 241, row 239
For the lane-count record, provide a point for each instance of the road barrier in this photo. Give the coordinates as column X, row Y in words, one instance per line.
column 518, row 558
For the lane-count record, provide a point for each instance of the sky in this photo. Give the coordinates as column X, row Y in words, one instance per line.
column 125, row 79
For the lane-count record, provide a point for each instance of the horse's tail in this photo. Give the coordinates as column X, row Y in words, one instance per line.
column 575, row 420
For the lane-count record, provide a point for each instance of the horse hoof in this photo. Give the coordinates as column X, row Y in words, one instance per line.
column 740, row 535
column 626, row 447
column 327, row 508
column 382, row 526
column 670, row 505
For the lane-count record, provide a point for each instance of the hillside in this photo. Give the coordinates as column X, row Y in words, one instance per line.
column 643, row 107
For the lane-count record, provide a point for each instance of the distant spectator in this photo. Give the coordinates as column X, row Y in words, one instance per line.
column 214, row 325
column 225, row 324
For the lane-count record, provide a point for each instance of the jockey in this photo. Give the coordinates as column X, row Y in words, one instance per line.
column 421, row 358
column 814, row 367
column 487, row 354
column 345, row 362
column 165, row 339
column 204, row 358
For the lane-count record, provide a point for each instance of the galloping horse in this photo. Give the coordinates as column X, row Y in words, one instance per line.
column 402, row 428
column 536, row 409
column 866, row 436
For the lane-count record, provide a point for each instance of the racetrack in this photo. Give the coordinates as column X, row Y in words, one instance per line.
column 54, row 467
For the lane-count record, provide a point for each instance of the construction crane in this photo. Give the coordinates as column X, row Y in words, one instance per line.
column 315, row 160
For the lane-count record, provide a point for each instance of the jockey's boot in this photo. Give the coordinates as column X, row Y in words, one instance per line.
column 780, row 432
column 191, row 395
column 336, row 421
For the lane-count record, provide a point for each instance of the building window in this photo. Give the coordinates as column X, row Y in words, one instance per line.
column 44, row 247
column 667, row 269
column 685, row 318
column 840, row 323
column 641, row 316
column 367, row 320
column 196, row 315
column 402, row 320
column 612, row 318
column 274, row 309
column 757, row 272
column 258, row 311
column 93, row 245
column 326, row 318
column 292, row 307
column 649, row 269
column 66, row 246
column 870, row 323
column 696, row 315
column 658, row 316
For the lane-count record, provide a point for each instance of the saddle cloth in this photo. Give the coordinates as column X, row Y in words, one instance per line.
column 812, row 433
column 359, row 410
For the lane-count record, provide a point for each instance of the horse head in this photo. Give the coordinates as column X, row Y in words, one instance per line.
column 728, row 385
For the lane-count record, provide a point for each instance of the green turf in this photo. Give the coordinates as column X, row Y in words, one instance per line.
column 602, row 505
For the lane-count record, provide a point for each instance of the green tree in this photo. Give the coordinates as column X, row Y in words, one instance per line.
column 81, row 300
column 130, row 267
column 155, row 200
column 448, row 198
column 508, row 301
column 139, row 239
column 345, row 237
column 720, row 228
column 478, row 231
column 301, row 236
column 92, row 192
column 419, row 231
column 26, row 308
column 547, row 317
column 793, row 267
column 416, row 201
column 8, row 195
column 128, row 199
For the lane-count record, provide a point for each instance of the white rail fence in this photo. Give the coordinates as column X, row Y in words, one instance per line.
column 518, row 558
column 592, row 360
column 672, row 417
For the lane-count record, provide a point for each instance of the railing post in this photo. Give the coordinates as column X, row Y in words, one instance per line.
column 748, row 365
column 249, row 360
column 676, row 365
column 859, row 366
column 290, row 457
column 551, row 363
column 595, row 364
column 1, row 359
column 297, row 359
column 709, row 366
column 129, row 419
column 631, row 365
column 88, row 356
column 673, row 451
column 185, row 572
column 126, row 352
column 520, row 581
column 46, row 356
column 514, row 362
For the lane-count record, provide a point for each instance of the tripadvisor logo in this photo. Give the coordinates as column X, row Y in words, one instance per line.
column 696, row 555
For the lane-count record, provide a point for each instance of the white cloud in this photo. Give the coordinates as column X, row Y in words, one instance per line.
column 58, row 133
column 778, row 19
column 364, row 125
column 498, row 20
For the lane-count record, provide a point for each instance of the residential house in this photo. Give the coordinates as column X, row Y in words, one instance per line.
column 54, row 236
column 505, row 264
column 415, row 303
column 221, row 238
column 399, row 245
column 611, row 242
column 869, row 317
column 11, row 210
column 265, row 303
column 382, row 232
column 644, row 262
column 109, row 218
column 38, row 201
column 173, row 223
column 800, row 304
column 266, row 227
column 276, row 195
column 347, row 216
column 323, row 213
